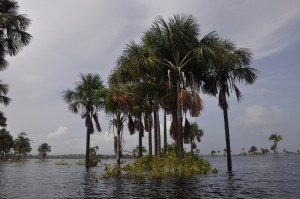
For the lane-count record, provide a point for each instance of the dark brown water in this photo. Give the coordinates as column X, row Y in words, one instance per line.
column 253, row 177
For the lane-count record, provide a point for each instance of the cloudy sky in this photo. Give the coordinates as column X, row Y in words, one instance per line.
column 87, row 36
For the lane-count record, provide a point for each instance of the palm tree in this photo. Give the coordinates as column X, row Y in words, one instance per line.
column 252, row 150
column 137, row 66
column 174, row 44
column 13, row 26
column 275, row 138
column 84, row 97
column 192, row 131
column 117, row 103
column 228, row 67
column 137, row 110
column 213, row 153
column 43, row 149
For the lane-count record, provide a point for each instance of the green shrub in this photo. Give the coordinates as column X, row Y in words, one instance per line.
column 167, row 165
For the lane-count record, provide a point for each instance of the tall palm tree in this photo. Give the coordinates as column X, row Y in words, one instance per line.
column 174, row 43
column 275, row 138
column 229, row 67
column 13, row 26
column 136, row 111
column 117, row 103
column 84, row 97
column 137, row 66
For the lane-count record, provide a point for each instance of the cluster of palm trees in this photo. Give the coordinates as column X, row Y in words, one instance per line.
column 166, row 71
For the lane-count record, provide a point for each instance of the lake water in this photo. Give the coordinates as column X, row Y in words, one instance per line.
column 253, row 177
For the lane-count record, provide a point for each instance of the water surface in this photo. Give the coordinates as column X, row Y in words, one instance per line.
column 252, row 177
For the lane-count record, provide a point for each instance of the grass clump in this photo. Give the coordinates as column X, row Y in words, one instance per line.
column 62, row 162
column 80, row 162
column 94, row 177
column 167, row 165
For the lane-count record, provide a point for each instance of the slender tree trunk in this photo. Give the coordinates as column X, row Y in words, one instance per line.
column 191, row 145
column 87, row 149
column 119, row 124
column 140, row 139
column 150, row 134
column 157, row 127
column 155, row 131
column 118, row 146
column 179, row 123
column 227, row 137
column 165, row 131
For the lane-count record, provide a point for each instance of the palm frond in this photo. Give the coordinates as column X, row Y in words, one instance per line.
column 196, row 104
column 237, row 92
column 96, row 120
column 185, row 99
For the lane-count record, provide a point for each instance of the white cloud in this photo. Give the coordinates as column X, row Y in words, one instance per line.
column 61, row 132
column 261, row 117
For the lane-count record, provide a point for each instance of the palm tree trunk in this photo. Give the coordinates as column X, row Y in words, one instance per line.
column 179, row 123
column 155, row 131
column 118, row 146
column 140, row 140
column 191, row 144
column 150, row 134
column 87, row 149
column 227, row 137
column 165, row 131
column 157, row 127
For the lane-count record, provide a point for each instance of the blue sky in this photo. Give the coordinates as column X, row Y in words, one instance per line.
column 75, row 36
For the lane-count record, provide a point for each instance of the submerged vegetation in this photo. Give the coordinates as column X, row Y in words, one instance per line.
column 167, row 165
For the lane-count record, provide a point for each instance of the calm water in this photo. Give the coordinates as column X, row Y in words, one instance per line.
column 253, row 177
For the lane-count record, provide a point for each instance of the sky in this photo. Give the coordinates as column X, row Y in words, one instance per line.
column 87, row 36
